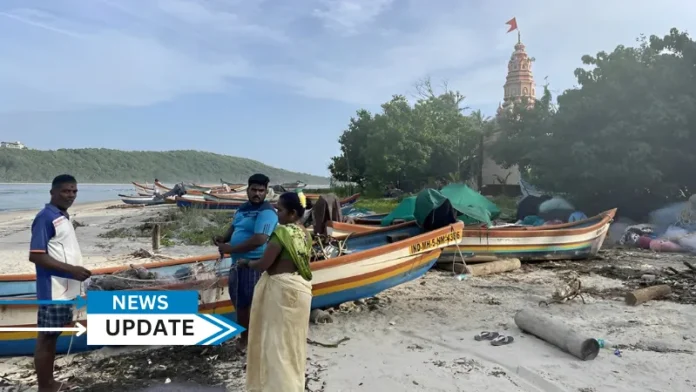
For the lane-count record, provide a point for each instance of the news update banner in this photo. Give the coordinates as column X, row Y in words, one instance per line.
column 153, row 318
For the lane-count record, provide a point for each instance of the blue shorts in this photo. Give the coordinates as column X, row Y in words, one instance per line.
column 54, row 316
column 241, row 283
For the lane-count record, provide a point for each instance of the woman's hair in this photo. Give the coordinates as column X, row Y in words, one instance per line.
column 291, row 201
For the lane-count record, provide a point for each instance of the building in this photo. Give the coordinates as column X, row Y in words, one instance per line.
column 14, row 145
column 519, row 83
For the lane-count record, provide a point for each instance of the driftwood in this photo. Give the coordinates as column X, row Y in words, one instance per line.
column 329, row 345
column 557, row 333
column 640, row 296
column 495, row 267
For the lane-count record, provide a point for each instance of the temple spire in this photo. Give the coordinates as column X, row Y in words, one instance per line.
column 520, row 81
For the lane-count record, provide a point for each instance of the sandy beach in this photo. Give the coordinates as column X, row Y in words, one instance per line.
column 415, row 337
column 94, row 220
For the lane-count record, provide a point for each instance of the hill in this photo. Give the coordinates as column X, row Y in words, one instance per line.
column 98, row 165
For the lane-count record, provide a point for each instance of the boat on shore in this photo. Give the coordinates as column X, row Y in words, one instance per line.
column 221, row 204
column 142, row 200
column 375, row 263
column 567, row 241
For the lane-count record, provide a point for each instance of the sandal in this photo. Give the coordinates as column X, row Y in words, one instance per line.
column 502, row 340
column 485, row 335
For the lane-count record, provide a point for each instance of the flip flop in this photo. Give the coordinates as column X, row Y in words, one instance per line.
column 485, row 335
column 502, row 340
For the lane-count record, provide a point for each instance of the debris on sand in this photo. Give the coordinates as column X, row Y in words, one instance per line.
column 189, row 365
column 635, row 269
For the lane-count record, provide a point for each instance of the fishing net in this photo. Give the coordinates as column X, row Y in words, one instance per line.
column 326, row 247
column 141, row 278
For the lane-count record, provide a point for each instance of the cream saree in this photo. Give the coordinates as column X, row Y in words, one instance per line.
column 277, row 348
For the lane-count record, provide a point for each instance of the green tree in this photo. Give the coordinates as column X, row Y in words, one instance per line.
column 408, row 146
column 624, row 138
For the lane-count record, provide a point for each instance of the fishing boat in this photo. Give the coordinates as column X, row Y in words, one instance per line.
column 376, row 263
column 234, row 204
column 567, row 241
column 374, row 219
column 293, row 186
column 144, row 187
column 142, row 200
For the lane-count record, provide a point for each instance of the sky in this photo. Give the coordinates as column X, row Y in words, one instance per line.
column 277, row 80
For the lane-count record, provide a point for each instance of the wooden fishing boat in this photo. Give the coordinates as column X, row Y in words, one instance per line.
column 568, row 241
column 144, row 187
column 141, row 200
column 375, row 264
column 375, row 219
column 234, row 204
column 293, row 186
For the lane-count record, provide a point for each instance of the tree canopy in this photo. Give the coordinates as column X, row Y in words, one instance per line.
column 409, row 146
column 114, row 166
column 625, row 137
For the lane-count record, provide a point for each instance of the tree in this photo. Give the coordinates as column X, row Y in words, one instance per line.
column 408, row 146
column 623, row 138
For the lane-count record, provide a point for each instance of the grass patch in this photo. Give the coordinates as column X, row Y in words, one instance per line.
column 378, row 205
column 179, row 227
column 507, row 205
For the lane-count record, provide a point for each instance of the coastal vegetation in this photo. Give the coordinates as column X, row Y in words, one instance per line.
column 178, row 226
column 98, row 165
column 624, row 137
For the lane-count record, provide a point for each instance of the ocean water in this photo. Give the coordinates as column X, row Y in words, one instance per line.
column 17, row 197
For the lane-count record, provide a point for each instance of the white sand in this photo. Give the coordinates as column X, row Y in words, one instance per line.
column 420, row 335
column 15, row 235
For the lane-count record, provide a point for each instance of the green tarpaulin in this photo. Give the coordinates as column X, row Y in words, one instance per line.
column 403, row 211
column 474, row 207
column 461, row 195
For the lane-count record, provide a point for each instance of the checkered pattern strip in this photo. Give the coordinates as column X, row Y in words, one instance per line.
column 54, row 316
column 241, row 285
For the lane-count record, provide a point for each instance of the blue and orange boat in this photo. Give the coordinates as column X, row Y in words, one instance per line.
column 377, row 261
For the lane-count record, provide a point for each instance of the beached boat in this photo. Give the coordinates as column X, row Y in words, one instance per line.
column 141, row 200
column 293, row 186
column 375, row 263
column 144, row 187
column 568, row 241
column 374, row 219
column 234, row 204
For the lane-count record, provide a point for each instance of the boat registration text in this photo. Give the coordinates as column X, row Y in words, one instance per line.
column 437, row 242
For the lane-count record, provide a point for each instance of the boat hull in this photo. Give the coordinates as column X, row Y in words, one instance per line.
column 141, row 200
column 569, row 241
column 187, row 202
column 365, row 273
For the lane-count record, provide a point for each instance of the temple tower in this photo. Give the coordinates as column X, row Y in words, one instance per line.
column 519, row 83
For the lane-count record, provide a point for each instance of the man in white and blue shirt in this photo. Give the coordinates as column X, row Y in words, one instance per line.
column 59, row 273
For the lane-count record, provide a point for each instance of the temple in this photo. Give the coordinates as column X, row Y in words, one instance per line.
column 519, row 83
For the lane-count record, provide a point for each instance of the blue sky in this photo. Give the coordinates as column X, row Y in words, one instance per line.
column 276, row 80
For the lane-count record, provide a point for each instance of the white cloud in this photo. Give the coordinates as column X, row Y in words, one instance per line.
column 135, row 53
column 347, row 16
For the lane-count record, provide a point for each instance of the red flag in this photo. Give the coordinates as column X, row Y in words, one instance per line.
column 513, row 24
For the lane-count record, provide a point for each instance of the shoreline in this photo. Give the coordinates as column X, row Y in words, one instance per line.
column 75, row 207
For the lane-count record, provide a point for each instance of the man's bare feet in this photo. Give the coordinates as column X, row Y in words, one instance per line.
column 55, row 387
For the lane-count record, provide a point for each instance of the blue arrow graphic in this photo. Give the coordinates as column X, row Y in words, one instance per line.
column 79, row 302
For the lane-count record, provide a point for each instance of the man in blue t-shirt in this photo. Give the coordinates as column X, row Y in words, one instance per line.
column 246, row 238
column 59, row 273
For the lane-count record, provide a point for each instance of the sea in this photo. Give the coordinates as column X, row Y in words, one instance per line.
column 19, row 197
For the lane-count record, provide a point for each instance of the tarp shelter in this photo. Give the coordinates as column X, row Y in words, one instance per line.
column 403, row 211
column 461, row 196
column 429, row 200
column 473, row 207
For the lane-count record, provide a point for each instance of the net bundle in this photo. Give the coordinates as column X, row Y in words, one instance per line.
column 141, row 278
